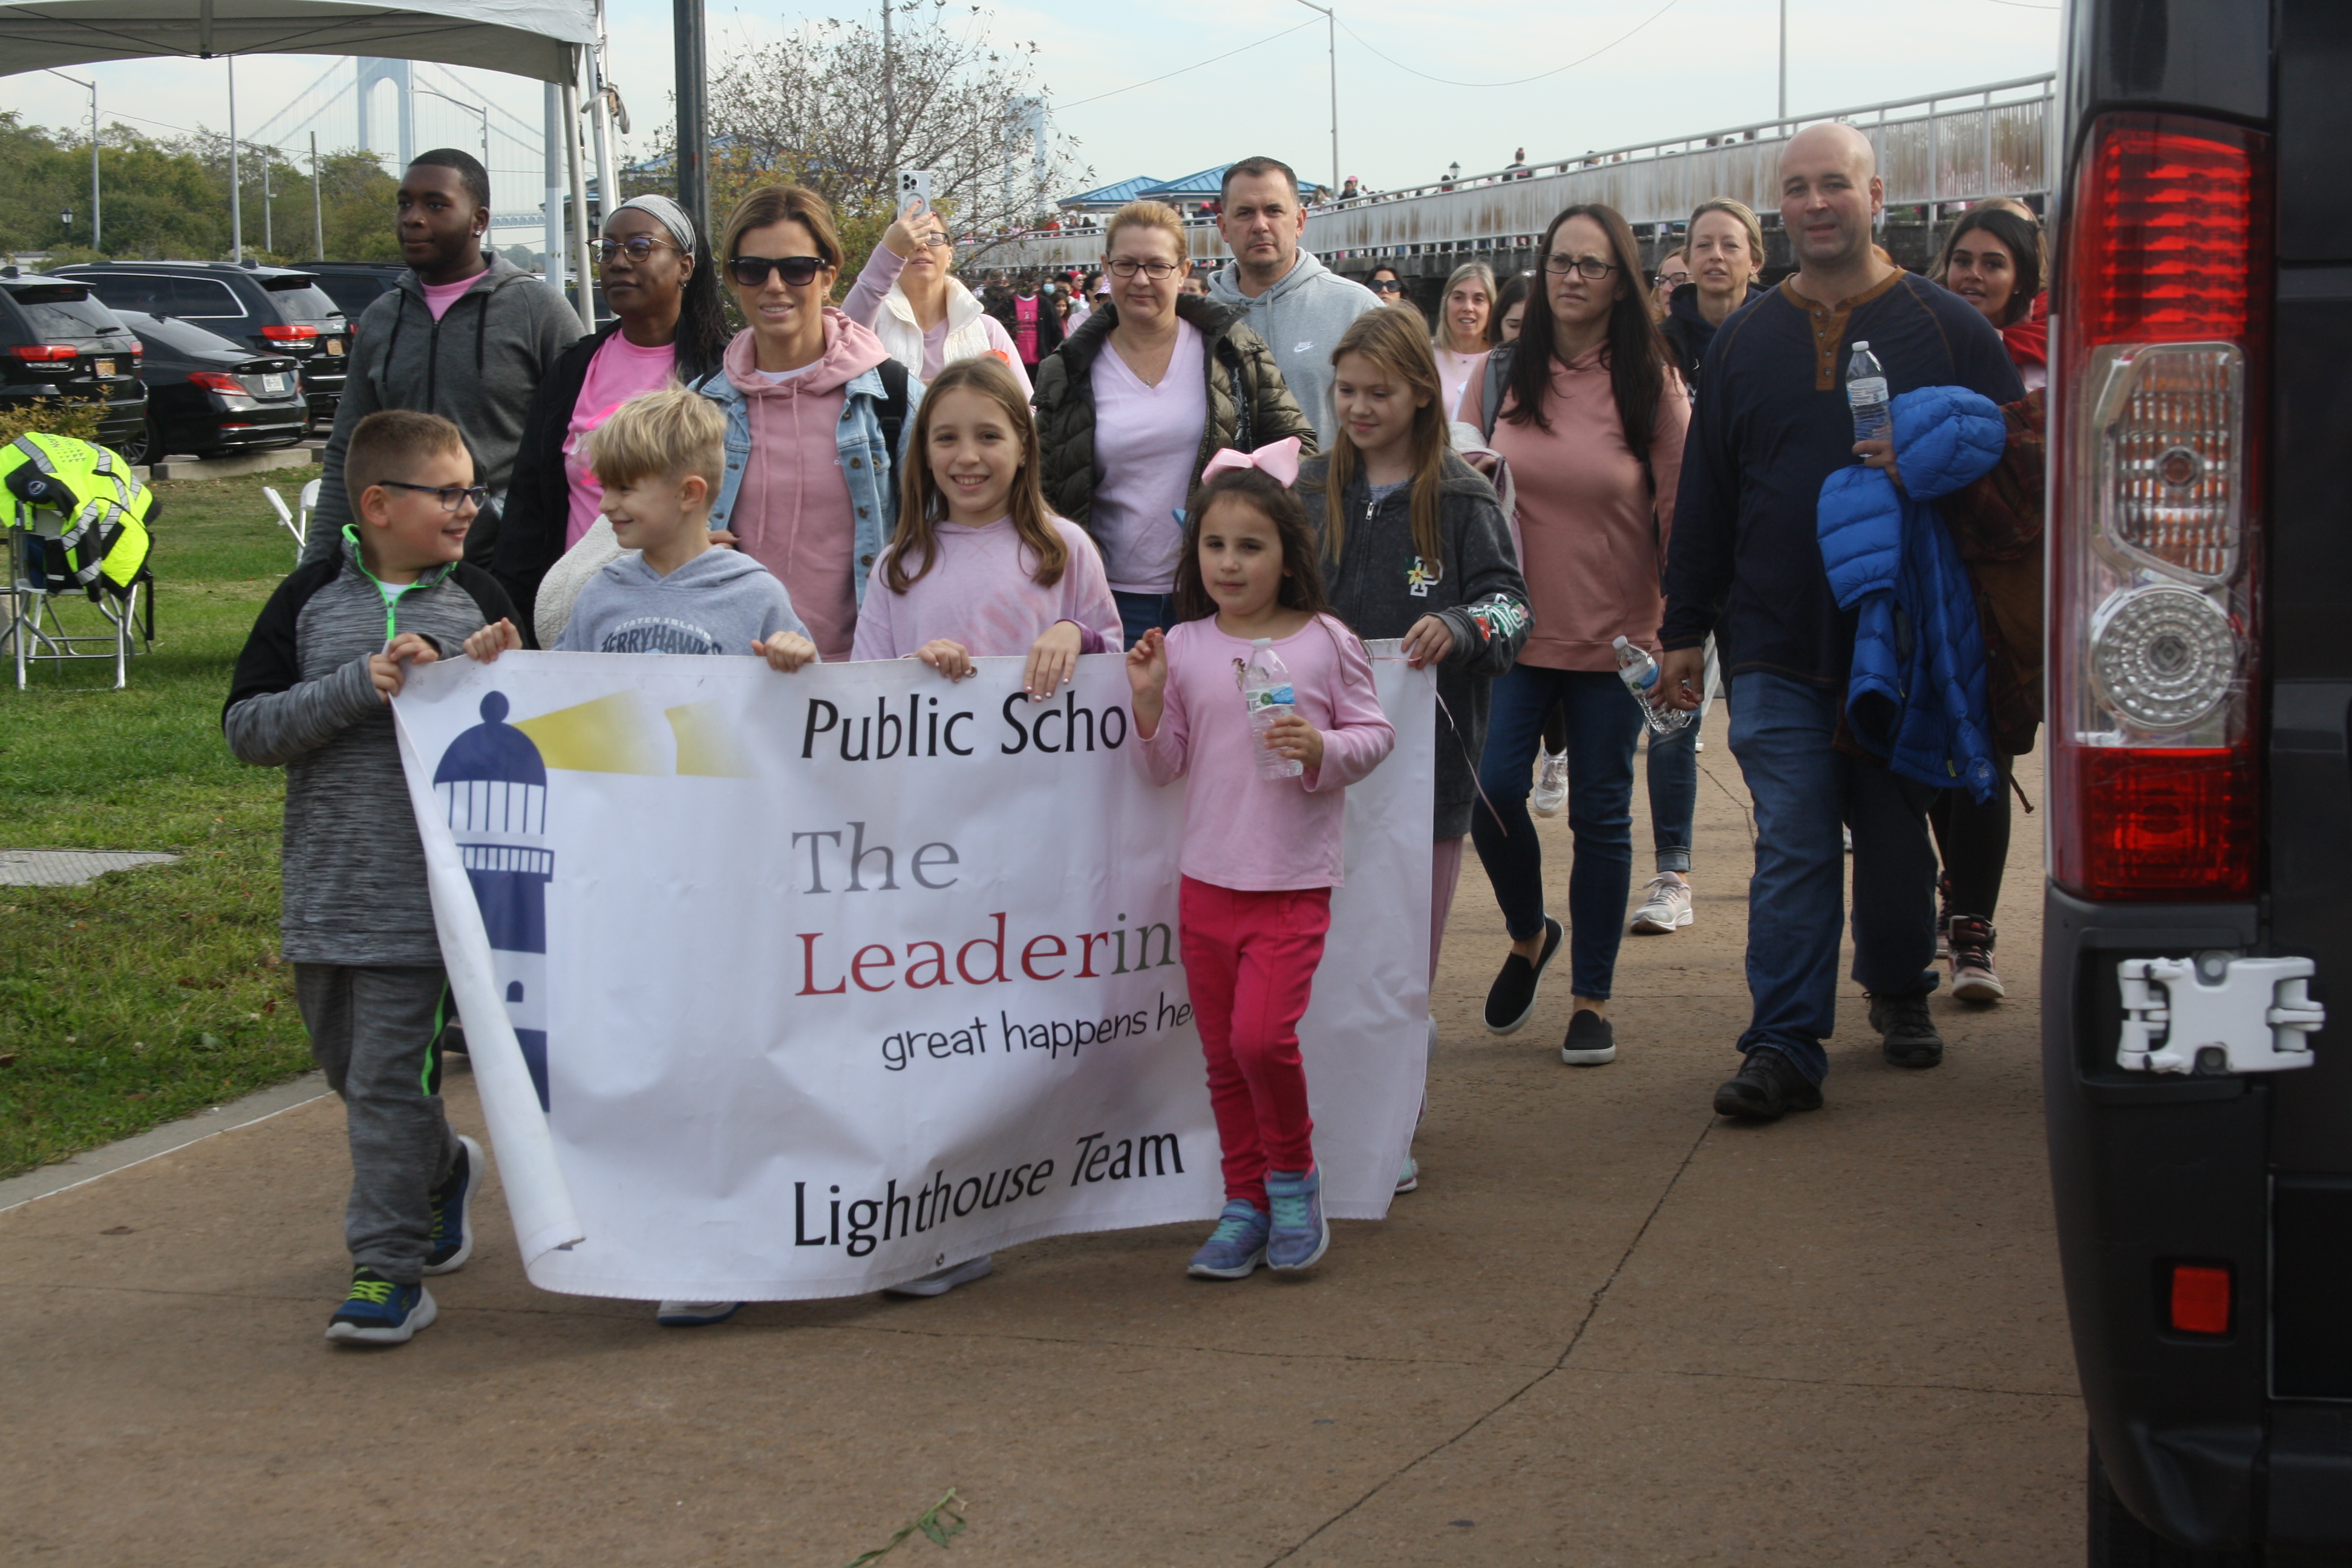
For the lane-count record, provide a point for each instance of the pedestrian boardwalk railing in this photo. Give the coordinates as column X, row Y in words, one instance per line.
column 1946, row 147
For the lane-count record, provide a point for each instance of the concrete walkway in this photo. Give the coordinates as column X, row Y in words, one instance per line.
column 1608, row 1329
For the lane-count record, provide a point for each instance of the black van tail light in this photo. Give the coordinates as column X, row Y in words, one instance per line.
column 2158, row 434
column 2199, row 1299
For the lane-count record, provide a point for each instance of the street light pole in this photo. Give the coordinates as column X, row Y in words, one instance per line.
column 1784, row 65
column 1331, row 42
column 693, row 148
column 478, row 109
column 318, row 202
column 93, row 150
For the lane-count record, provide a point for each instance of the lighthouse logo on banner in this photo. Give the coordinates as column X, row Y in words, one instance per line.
column 492, row 785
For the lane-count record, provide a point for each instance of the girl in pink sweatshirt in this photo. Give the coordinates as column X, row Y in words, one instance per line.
column 1260, row 855
column 980, row 569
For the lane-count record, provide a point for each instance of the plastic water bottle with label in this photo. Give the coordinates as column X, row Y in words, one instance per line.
column 1638, row 671
column 1865, row 394
column 1265, row 691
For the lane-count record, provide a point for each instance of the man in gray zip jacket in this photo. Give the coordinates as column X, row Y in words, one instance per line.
column 1292, row 300
column 474, row 360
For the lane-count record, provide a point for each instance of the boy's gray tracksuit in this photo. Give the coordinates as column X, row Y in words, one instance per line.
column 357, row 921
column 476, row 367
column 716, row 603
column 1301, row 319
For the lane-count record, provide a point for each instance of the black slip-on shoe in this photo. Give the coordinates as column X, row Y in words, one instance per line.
column 1591, row 1041
column 1907, row 1036
column 1511, row 1000
column 1766, row 1087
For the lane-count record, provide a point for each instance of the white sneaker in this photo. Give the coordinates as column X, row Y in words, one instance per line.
column 947, row 1279
column 1665, row 905
column 1551, row 782
column 694, row 1314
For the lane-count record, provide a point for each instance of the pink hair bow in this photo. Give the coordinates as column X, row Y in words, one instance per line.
column 1277, row 459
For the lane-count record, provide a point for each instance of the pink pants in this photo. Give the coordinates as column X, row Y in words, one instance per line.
column 1249, row 963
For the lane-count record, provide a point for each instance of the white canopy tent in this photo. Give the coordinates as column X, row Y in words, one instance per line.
column 549, row 41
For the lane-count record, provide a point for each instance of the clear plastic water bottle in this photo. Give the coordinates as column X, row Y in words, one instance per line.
column 1865, row 394
column 1265, row 691
column 1638, row 671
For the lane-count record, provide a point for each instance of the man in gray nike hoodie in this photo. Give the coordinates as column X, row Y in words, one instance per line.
column 1292, row 300
column 474, row 360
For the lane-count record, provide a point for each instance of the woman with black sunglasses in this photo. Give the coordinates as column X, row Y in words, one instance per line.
column 667, row 326
column 815, row 408
column 1592, row 419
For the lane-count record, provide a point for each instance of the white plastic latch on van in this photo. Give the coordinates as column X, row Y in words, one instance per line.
column 2216, row 1014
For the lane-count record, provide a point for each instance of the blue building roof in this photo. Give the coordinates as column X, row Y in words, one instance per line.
column 1107, row 197
column 1206, row 185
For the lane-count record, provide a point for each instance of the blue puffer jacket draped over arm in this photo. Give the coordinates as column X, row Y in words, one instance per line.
column 1917, row 697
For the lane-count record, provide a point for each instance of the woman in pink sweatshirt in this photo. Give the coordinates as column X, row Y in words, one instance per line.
column 1262, row 831
column 1591, row 421
column 814, row 411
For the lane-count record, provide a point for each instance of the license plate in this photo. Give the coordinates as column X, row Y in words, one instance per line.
column 334, row 348
column 273, row 383
column 106, row 367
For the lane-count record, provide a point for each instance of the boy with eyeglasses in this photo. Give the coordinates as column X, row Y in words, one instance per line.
column 311, row 695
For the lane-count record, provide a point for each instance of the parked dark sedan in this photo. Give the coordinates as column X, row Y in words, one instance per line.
column 56, row 341
column 271, row 309
column 210, row 395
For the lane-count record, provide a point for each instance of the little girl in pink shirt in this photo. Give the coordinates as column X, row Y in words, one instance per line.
column 1260, row 856
column 979, row 568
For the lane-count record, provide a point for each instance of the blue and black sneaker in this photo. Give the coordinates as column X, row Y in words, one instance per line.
column 379, row 1312
column 453, row 1203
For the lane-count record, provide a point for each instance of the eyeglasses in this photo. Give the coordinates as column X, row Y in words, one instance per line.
column 639, row 246
column 1674, row 279
column 1157, row 271
column 1593, row 270
column 1386, row 286
column 751, row 271
column 450, row 496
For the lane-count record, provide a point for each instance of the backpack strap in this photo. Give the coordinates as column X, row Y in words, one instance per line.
column 1498, row 371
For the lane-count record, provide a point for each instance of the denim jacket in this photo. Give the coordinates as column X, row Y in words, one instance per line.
column 866, row 459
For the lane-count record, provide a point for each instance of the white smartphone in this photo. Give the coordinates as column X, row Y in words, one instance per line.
column 915, row 185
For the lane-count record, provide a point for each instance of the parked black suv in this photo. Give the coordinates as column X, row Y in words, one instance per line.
column 270, row 309
column 2201, row 809
column 56, row 341
column 209, row 395
column 356, row 285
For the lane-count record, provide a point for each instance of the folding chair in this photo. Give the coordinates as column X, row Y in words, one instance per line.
column 45, row 623
column 297, row 523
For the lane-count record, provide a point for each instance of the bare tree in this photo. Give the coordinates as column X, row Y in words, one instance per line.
column 830, row 110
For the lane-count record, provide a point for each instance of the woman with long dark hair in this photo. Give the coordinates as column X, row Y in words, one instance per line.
column 1590, row 420
column 668, row 327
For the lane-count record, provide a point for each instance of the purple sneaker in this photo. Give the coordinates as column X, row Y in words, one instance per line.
column 1300, row 1234
column 1235, row 1248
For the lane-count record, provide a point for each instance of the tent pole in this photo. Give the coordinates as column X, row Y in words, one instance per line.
column 553, row 238
column 693, row 134
column 236, row 207
column 600, row 121
column 582, row 267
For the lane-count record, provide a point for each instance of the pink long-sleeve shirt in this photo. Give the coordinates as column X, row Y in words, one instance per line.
column 1241, row 831
column 982, row 591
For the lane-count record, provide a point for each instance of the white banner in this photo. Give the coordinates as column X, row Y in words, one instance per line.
column 789, row 986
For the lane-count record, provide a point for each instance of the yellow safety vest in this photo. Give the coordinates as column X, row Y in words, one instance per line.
column 106, row 511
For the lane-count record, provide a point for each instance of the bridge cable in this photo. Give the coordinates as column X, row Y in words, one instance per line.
column 1196, row 65
column 1515, row 81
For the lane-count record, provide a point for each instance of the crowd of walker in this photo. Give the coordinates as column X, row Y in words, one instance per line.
column 1581, row 466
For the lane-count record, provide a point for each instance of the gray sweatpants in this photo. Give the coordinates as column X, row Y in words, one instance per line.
column 376, row 1032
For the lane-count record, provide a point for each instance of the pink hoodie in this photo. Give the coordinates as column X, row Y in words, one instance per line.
column 792, row 511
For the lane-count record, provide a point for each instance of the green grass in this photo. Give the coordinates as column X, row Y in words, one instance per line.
column 149, row 993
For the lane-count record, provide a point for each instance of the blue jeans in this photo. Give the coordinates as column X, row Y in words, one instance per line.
column 1603, row 725
column 1672, row 769
column 1138, row 613
column 1803, row 791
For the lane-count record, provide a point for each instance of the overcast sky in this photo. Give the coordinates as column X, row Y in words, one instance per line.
column 1687, row 65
